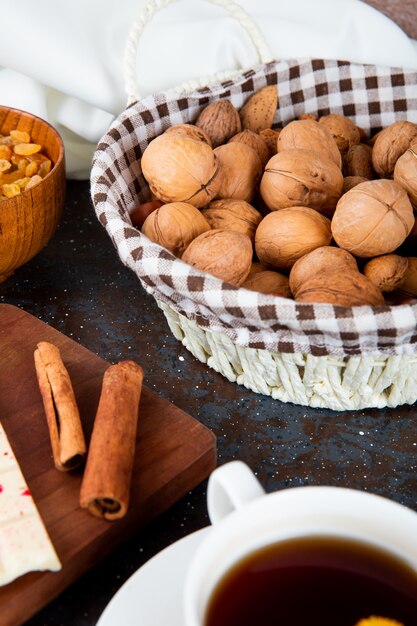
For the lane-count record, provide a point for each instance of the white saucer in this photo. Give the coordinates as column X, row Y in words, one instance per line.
column 152, row 596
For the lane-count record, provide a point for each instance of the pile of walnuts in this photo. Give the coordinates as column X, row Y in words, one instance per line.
column 315, row 211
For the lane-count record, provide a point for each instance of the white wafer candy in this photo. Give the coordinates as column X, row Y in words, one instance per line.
column 24, row 542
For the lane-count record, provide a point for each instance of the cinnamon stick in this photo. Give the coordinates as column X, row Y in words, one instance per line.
column 61, row 410
column 105, row 489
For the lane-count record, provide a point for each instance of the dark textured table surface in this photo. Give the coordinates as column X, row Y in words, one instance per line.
column 78, row 285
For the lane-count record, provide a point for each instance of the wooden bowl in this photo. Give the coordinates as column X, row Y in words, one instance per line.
column 28, row 220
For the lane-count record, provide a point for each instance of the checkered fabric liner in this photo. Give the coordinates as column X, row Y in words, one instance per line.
column 372, row 96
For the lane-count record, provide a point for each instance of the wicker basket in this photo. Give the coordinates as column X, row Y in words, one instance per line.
column 316, row 355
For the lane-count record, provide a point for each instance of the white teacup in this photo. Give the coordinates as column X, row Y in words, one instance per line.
column 245, row 520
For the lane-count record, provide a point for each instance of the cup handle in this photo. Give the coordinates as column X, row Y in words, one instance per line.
column 230, row 487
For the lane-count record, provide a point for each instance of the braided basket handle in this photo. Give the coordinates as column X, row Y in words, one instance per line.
column 146, row 15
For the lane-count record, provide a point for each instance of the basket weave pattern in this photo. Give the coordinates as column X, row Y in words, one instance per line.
column 310, row 354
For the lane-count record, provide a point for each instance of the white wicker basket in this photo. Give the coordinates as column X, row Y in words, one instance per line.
column 313, row 355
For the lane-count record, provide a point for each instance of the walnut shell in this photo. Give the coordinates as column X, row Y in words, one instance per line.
column 174, row 226
column 181, row 169
column 220, row 120
column 225, row 254
column 386, row 271
column 410, row 244
column 285, row 236
column 301, row 178
column 241, row 171
column 408, row 284
column 189, row 130
column 345, row 133
column 308, row 116
column 363, row 135
column 318, row 261
column 373, row 218
column 309, row 135
column 349, row 182
column 371, row 140
column 270, row 135
column 390, row 144
column 341, row 288
column 405, row 172
column 256, row 267
column 269, row 283
column 255, row 141
column 358, row 161
column 140, row 212
column 230, row 214
column 258, row 111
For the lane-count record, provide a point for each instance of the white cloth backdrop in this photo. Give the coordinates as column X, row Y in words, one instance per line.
column 63, row 60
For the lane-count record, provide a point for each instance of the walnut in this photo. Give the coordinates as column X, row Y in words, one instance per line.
column 256, row 267
column 345, row 133
column 181, row 169
column 373, row 218
column 255, row 141
column 309, row 135
column 363, row 135
column 390, row 144
column 408, row 285
column 284, row 236
column 410, row 244
column 268, row 282
column 258, row 111
column 345, row 289
column 405, row 172
column 241, row 171
column 230, row 214
column 386, row 271
column 308, row 116
column 321, row 260
column 301, row 178
column 140, row 212
column 225, row 254
column 270, row 135
column 373, row 138
column 174, row 226
column 331, row 275
column 189, row 130
column 349, row 182
column 220, row 120
column 358, row 161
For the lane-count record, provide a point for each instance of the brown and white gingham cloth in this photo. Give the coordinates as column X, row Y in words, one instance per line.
column 372, row 96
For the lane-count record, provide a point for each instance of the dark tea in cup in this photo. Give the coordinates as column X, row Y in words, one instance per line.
column 314, row 581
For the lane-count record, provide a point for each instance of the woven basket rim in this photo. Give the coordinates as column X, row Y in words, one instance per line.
column 298, row 310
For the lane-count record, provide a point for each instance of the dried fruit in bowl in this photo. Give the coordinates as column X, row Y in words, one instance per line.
column 22, row 164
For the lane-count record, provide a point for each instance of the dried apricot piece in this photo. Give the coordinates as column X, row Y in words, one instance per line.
column 27, row 148
column 34, row 180
column 22, row 182
column 373, row 620
column 11, row 177
column 4, row 165
column 20, row 136
column 18, row 160
column 5, row 152
column 31, row 168
column 44, row 168
column 10, row 190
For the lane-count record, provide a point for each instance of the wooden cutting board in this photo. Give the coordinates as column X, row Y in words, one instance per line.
column 175, row 453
